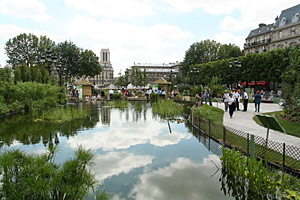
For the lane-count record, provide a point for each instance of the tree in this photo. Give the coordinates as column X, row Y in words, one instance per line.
column 229, row 51
column 22, row 49
column 88, row 64
column 17, row 75
column 69, row 57
column 200, row 52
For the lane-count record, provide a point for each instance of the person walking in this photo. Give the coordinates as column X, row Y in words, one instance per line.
column 236, row 96
column 210, row 95
column 205, row 94
column 245, row 100
column 257, row 100
column 225, row 100
column 231, row 103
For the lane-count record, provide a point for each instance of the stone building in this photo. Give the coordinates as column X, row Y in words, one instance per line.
column 156, row 71
column 106, row 77
column 287, row 28
column 284, row 32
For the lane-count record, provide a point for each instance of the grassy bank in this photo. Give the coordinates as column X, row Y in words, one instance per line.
column 207, row 112
column 291, row 128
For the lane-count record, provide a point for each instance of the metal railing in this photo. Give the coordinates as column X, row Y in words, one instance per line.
column 275, row 153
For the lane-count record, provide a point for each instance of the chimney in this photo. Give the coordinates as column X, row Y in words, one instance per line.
column 261, row 25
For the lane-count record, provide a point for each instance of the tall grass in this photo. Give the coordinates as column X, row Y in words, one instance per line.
column 167, row 108
column 246, row 178
column 61, row 114
column 36, row 177
column 120, row 104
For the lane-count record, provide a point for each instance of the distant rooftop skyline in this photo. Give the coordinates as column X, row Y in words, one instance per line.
column 137, row 31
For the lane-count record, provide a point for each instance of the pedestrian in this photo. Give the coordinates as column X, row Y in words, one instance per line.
column 245, row 100
column 236, row 96
column 205, row 95
column 231, row 103
column 257, row 100
column 225, row 100
column 163, row 94
column 210, row 95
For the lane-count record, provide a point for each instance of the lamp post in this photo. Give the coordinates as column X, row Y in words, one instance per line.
column 194, row 71
column 236, row 64
column 50, row 58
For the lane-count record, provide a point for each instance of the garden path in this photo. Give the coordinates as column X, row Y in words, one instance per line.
column 243, row 121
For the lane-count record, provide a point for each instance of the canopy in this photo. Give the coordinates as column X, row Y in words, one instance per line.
column 263, row 83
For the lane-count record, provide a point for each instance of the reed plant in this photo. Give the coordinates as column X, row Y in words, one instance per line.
column 36, row 177
column 167, row 108
column 120, row 104
column 60, row 114
column 246, row 178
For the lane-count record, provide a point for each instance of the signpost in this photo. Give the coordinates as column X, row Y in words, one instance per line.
column 271, row 123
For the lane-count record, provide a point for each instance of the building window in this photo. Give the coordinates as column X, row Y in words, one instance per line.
column 293, row 31
column 295, row 18
column 282, row 21
column 280, row 34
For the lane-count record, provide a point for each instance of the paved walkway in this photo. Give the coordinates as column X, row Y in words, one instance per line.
column 243, row 121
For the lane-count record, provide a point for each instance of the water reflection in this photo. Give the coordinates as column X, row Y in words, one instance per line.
column 23, row 129
column 136, row 156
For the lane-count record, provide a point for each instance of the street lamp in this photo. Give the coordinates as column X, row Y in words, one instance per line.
column 194, row 71
column 236, row 64
column 50, row 58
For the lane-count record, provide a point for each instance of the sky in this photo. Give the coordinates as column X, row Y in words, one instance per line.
column 137, row 31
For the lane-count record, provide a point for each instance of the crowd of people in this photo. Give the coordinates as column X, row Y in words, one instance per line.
column 232, row 100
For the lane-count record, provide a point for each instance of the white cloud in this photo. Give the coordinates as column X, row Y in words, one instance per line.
column 183, row 179
column 130, row 43
column 124, row 9
column 227, row 37
column 152, row 133
column 251, row 12
column 31, row 9
column 115, row 163
column 8, row 31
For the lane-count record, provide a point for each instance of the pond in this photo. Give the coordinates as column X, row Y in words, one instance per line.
column 138, row 154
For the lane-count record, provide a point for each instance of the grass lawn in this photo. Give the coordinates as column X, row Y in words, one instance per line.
column 291, row 128
column 207, row 112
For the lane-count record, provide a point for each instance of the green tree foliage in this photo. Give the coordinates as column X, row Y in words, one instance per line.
column 291, row 86
column 33, row 177
column 139, row 78
column 26, row 51
column 207, row 51
column 22, row 49
column 26, row 95
column 89, row 64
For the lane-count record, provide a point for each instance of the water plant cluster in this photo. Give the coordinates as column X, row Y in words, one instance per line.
column 246, row 178
column 120, row 104
column 37, row 177
column 60, row 114
column 167, row 108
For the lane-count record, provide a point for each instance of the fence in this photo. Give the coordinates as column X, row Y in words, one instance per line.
column 278, row 154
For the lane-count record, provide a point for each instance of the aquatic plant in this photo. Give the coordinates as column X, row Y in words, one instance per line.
column 60, row 114
column 120, row 104
column 246, row 178
column 35, row 177
column 167, row 108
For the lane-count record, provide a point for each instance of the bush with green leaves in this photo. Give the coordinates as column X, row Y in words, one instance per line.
column 25, row 176
column 28, row 96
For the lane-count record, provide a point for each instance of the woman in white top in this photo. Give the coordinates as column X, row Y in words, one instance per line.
column 231, row 103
